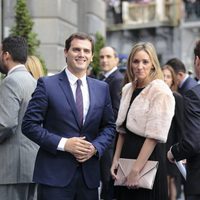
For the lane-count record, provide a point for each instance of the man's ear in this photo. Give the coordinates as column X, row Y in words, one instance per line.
column 180, row 74
column 117, row 60
column 197, row 60
column 91, row 58
column 6, row 55
column 65, row 52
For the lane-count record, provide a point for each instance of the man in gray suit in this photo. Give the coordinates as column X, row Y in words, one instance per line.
column 17, row 152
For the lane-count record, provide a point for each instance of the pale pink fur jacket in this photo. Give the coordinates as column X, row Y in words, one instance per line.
column 150, row 113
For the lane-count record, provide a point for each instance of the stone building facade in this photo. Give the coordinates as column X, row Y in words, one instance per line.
column 54, row 21
column 171, row 25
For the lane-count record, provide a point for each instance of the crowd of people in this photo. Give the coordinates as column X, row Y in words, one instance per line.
column 62, row 136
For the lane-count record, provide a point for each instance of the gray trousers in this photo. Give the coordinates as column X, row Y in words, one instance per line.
column 22, row 191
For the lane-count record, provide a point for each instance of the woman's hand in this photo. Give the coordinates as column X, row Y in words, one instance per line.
column 113, row 169
column 132, row 179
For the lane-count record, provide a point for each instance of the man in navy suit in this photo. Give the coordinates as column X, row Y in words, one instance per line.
column 189, row 147
column 67, row 164
column 108, row 62
column 109, row 65
column 184, row 81
column 197, row 66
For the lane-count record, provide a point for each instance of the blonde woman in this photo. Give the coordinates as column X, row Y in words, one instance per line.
column 144, row 119
column 34, row 66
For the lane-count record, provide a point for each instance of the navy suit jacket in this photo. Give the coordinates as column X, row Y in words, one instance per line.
column 52, row 114
column 188, row 84
column 115, row 81
column 189, row 146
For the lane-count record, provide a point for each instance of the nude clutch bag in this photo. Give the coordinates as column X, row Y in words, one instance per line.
column 147, row 175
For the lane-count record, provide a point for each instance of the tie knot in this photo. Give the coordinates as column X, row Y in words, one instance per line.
column 79, row 82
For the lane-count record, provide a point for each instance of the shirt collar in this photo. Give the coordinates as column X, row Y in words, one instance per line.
column 107, row 74
column 15, row 67
column 72, row 78
column 183, row 81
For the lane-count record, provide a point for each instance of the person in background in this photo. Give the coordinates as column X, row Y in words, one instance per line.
column 176, row 130
column 190, row 73
column 197, row 61
column 184, row 81
column 34, row 66
column 189, row 147
column 70, row 117
column 17, row 152
column 116, row 7
column 108, row 62
column 143, row 122
column 90, row 72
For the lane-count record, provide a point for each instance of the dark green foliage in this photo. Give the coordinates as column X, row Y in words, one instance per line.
column 24, row 26
column 99, row 43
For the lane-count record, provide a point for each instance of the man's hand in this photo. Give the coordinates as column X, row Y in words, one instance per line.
column 80, row 148
column 85, row 157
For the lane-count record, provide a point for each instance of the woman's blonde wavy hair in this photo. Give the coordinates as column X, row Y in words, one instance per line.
column 34, row 66
column 156, row 72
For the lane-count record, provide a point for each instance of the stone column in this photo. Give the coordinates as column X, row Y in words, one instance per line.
column 92, row 16
column 160, row 10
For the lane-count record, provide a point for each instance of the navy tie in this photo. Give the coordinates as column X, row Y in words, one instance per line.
column 79, row 101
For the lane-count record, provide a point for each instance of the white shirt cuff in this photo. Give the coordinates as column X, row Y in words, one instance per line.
column 61, row 145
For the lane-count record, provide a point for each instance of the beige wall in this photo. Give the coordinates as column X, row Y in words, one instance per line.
column 55, row 20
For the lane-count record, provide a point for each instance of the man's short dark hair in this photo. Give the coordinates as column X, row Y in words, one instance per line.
column 80, row 36
column 17, row 47
column 177, row 65
column 114, row 51
column 197, row 49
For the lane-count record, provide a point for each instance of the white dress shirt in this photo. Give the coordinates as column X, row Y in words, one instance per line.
column 183, row 81
column 107, row 74
column 86, row 99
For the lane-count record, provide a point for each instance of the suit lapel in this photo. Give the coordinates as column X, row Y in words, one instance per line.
column 65, row 85
column 110, row 77
column 183, row 88
column 91, row 88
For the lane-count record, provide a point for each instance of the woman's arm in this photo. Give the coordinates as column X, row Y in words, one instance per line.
column 145, row 152
column 117, row 154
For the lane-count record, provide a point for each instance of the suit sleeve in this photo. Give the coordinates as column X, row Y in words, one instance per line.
column 115, row 93
column 34, row 118
column 190, row 144
column 178, row 118
column 107, row 127
column 9, row 109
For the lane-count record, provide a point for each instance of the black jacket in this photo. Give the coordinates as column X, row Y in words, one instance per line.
column 189, row 146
